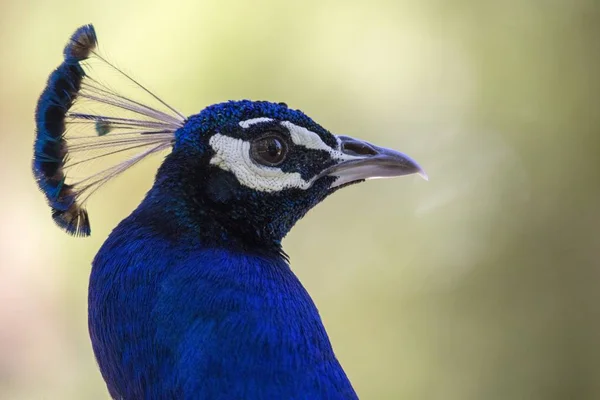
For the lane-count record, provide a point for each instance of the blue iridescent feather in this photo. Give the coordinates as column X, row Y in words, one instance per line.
column 185, row 321
column 50, row 147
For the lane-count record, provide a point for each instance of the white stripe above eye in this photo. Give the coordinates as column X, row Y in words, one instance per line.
column 249, row 122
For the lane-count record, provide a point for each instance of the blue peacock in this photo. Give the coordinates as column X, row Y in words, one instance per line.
column 192, row 296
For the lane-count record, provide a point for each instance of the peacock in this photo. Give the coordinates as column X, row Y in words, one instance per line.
column 192, row 296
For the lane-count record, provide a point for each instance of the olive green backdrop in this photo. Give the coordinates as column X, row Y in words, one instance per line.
column 480, row 284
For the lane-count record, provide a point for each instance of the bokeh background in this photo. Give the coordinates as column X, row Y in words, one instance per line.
column 480, row 284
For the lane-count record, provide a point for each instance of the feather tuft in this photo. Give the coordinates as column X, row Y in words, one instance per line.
column 80, row 119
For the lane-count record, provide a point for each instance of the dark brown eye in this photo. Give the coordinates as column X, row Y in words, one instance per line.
column 268, row 150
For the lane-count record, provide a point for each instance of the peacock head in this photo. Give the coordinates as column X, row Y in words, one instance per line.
column 260, row 166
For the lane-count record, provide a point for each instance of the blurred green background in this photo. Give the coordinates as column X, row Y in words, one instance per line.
column 480, row 284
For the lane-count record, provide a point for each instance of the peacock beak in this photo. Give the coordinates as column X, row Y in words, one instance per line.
column 370, row 162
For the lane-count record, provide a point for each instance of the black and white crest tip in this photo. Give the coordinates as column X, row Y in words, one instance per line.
column 81, row 44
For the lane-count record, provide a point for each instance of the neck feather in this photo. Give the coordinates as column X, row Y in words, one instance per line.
column 195, row 309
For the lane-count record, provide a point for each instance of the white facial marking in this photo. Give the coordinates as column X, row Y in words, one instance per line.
column 249, row 122
column 234, row 155
column 303, row 137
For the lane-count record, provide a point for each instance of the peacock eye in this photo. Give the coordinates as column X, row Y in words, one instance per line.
column 269, row 150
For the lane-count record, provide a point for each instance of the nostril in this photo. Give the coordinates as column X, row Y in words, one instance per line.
column 358, row 149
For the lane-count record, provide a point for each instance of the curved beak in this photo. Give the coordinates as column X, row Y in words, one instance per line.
column 364, row 160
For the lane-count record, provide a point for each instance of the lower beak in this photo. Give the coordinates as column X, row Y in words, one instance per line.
column 366, row 161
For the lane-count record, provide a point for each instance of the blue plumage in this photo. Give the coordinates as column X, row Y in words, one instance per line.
column 177, row 320
column 50, row 149
column 192, row 296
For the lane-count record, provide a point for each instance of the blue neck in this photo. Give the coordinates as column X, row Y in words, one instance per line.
column 174, row 317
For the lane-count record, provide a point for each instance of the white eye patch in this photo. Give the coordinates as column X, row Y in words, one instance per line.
column 233, row 155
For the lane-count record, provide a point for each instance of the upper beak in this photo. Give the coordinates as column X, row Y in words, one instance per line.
column 366, row 161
